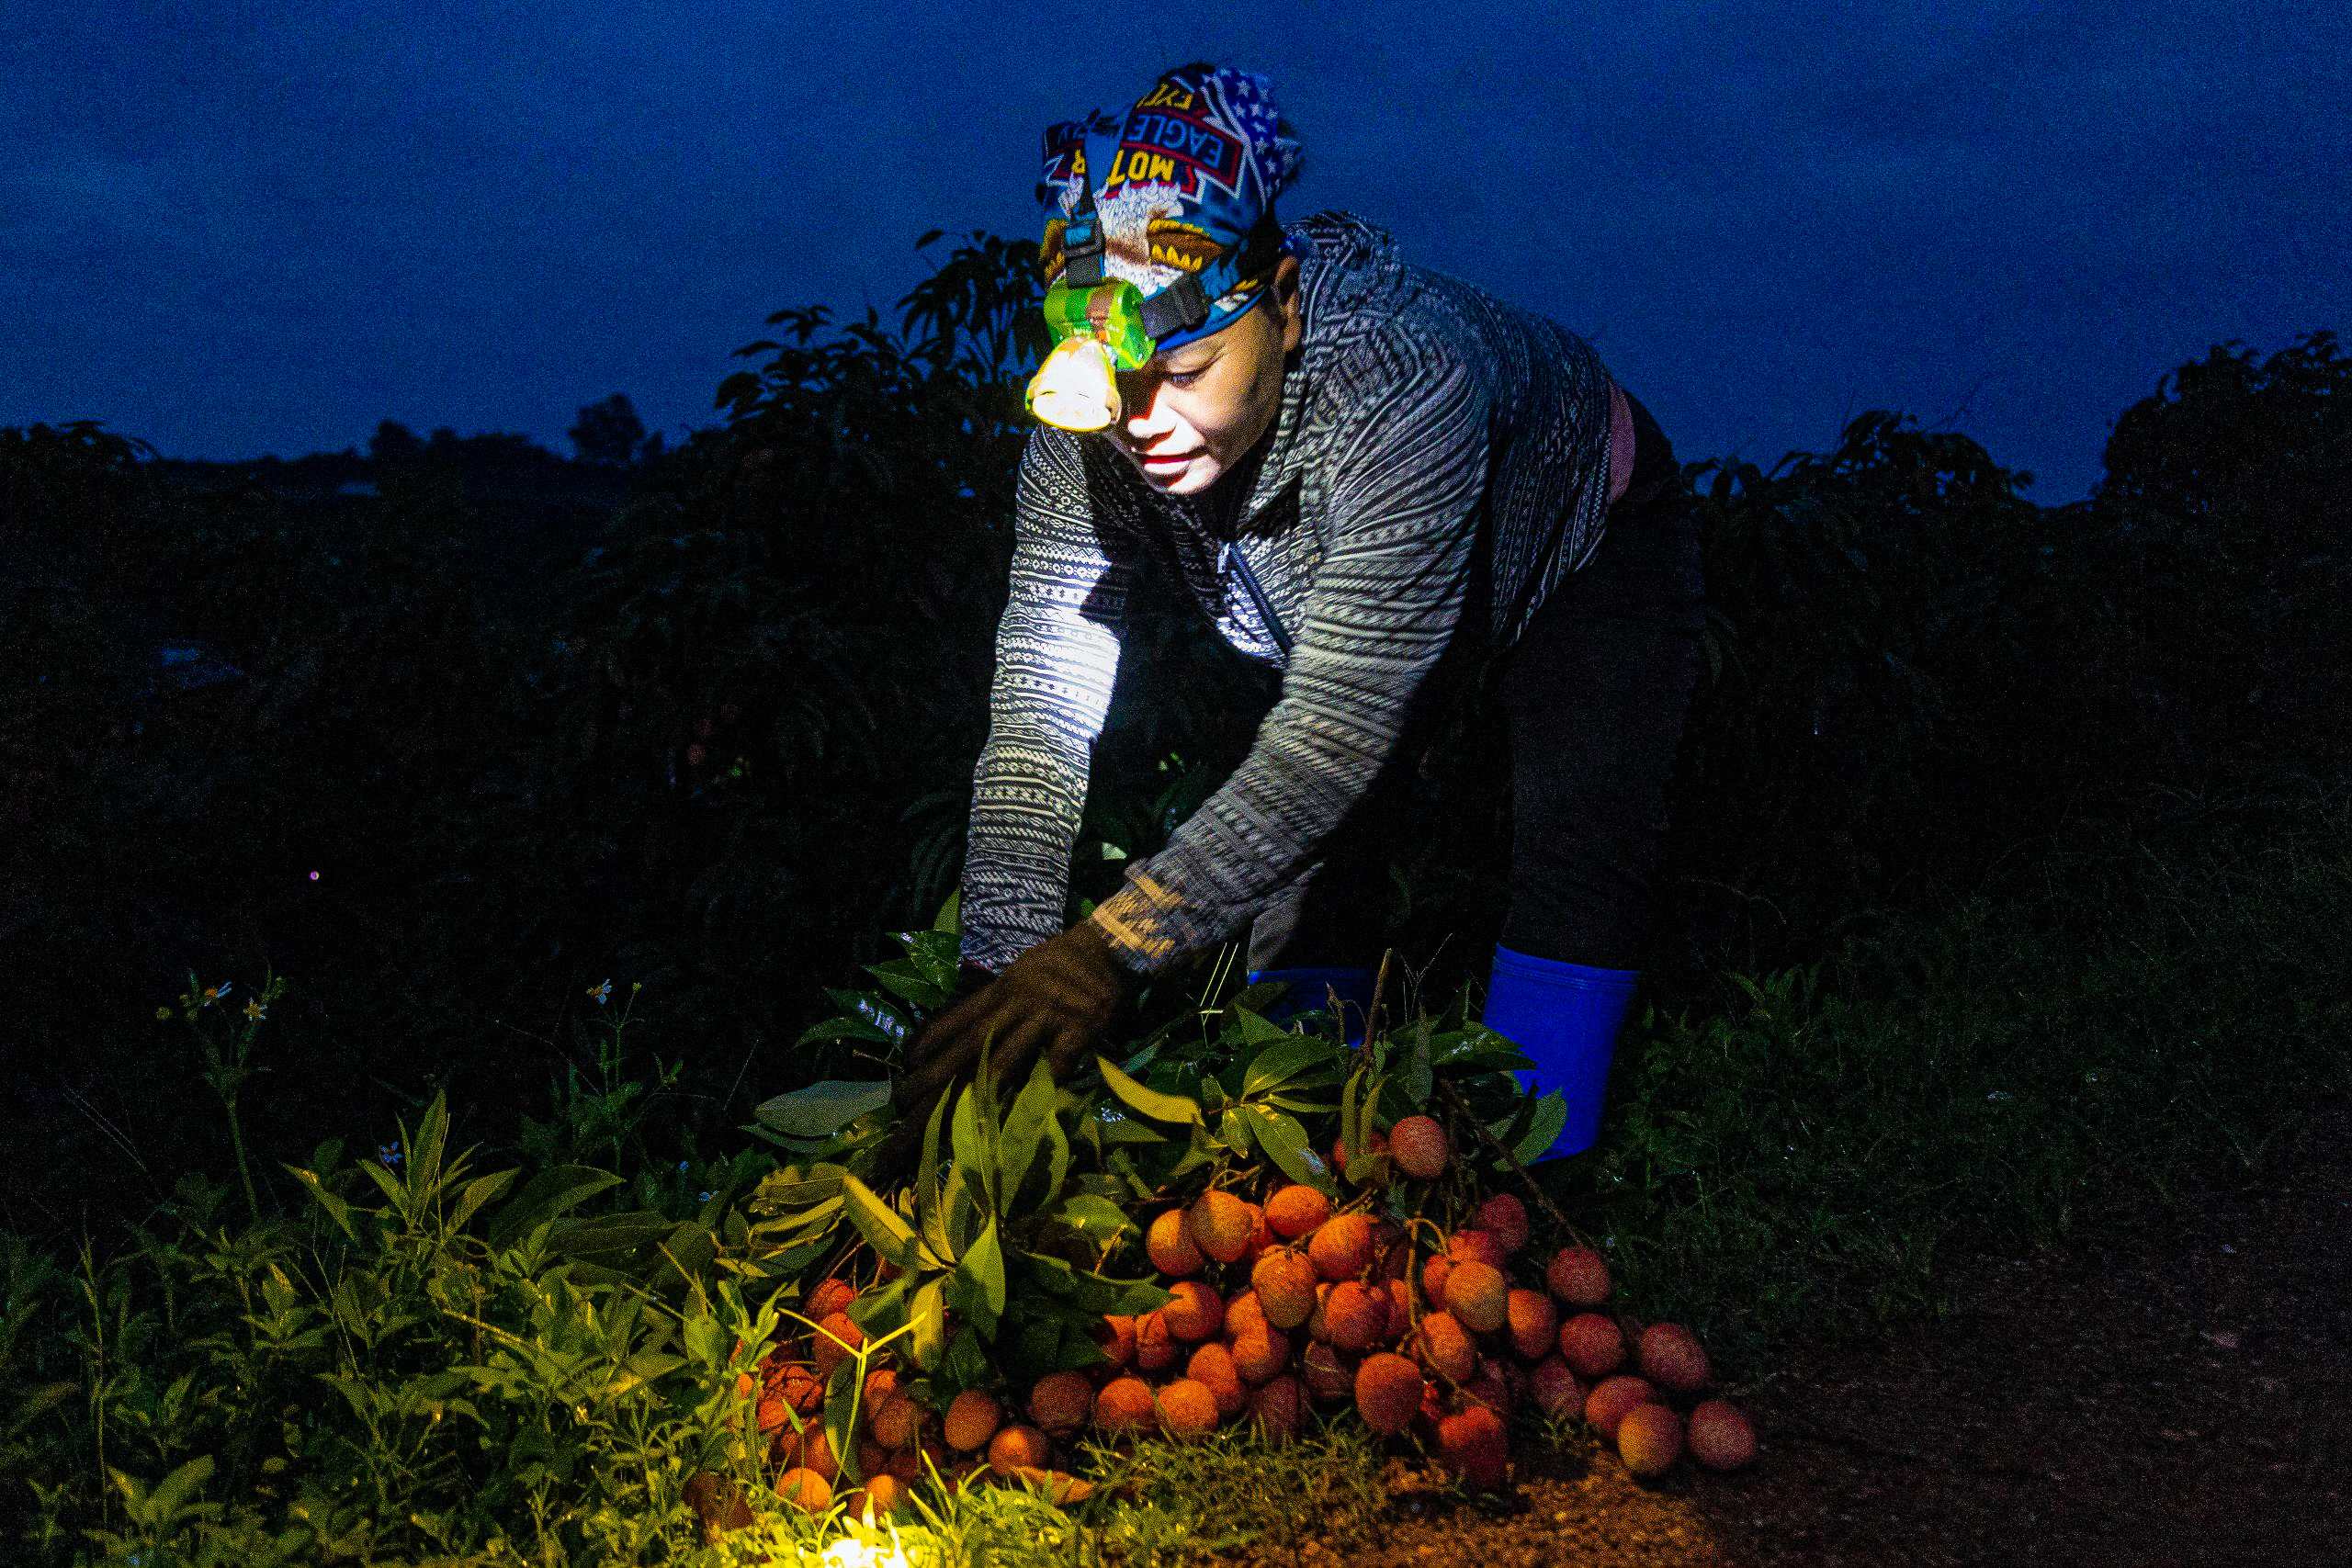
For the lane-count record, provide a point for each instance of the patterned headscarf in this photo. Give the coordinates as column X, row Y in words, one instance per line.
column 1190, row 169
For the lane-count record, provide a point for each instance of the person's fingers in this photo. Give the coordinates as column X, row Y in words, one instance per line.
column 1069, row 1048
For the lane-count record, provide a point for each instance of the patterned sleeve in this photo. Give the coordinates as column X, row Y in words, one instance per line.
column 1057, row 655
column 1404, row 503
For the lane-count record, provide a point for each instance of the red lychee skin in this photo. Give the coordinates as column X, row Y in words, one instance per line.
column 1475, row 1446
column 1649, row 1439
column 1262, row 1235
column 1329, row 1376
column 1477, row 1247
column 1488, row 1389
column 1555, row 1388
column 1340, row 1248
column 1242, row 1313
column 1503, row 1217
column 1578, row 1276
column 1061, row 1402
column 1220, row 1225
column 1534, row 1323
column 805, row 1489
column 1354, row 1318
column 832, row 1345
column 1187, row 1410
column 880, row 1384
column 1260, row 1354
column 1433, row 1273
column 1388, row 1393
column 897, row 1422
column 1445, row 1347
column 1294, row 1211
column 1475, row 1293
column 1392, row 1256
column 830, row 1297
column 1126, row 1405
column 1720, row 1435
column 973, row 1417
column 1213, row 1368
column 1400, row 1312
column 1014, row 1447
column 1591, row 1345
column 1376, row 1143
column 1285, row 1281
column 1193, row 1311
column 1155, row 1344
column 1419, row 1147
column 1168, row 1244
column 1279, row 1407
column 1117, row 1341
column 1672, row 1358
column 1606, row 1405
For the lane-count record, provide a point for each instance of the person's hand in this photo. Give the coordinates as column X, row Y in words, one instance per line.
column 1056, row 997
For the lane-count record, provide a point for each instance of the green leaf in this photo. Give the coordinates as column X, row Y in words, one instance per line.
column 1233, row 1127
column 822, row 1109
column 546, row 1195
column 1025, row 1128
column 1290, row 1055
column 982, row 1269
column 931, row 1211
column 1286, row 1142
column 950, row 917
column 929, row 1315
column 1551, row 1116
column 1150, row 1101
column 1113, row 1126
column 337, row 1210
column 480, row 1190
column 842, row 1390
column 880, row 1224
column 975, row 1151
column 1096, row 1218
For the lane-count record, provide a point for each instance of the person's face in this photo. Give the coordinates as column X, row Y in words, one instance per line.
column 1190, row 414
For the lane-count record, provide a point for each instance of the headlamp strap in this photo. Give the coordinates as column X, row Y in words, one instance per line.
column 1184, row 304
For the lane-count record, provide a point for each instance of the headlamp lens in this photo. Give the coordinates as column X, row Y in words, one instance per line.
column 1074, row 388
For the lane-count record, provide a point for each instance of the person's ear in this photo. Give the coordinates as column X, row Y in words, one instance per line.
column 1287, row 300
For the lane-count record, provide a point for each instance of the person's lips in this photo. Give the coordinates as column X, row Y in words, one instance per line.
column 1165, row 463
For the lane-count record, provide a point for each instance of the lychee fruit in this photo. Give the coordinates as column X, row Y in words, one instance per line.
column 805, row 1489
column 973, row 1417
column 1591, row 1345
column 1117, row 1341
column 1475, row 1446
column 1649, row 1439
column 810, row 1450
column 1243, row 1314
column 882, row 1496
column 829, row 1297
column 1279, row 1407
column 771, row 1414
column 1193, row 1311
column 1260, row 1354
column 1672, row 1358
column 1296, row 1210
column 1434, row 1269
column 1262, row 1235
column 1015, row 1447
column 1468, row 1245
column 1213, row 1368
column 1475, row 1293
column 897, row 1422
column 1400, row 1312
column 1419, row 1147
column 1339, row 1249
column 1578, row 1276
column 1168, row 1244
column 838, row 1337
column 880, row 1384
column 1489, row 1389
column 1125, row 1404
column 1061, row 1402
column 1330, row 1377
column 1504, row 1217
column 1391, row 1257
column 1154, row 1343
column 1353, row 1317
column 1611, row 1399
column 1285, row 1281
column 1376, row 1144
column 1555, row 1388
column 1445, row 1347
column 1721, row 1437
column 1187, row 1410
column 1219, row 1224
column 1388, row 1393
column 1533, row 1322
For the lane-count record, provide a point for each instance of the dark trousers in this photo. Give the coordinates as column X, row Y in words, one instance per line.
column 1592, row 698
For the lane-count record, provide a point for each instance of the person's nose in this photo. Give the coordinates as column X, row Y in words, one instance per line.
column 1144, row 420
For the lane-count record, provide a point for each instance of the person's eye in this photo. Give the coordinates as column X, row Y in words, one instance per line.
column 1182, row 378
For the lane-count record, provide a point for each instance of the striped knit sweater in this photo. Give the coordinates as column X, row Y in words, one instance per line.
column 1441, row 460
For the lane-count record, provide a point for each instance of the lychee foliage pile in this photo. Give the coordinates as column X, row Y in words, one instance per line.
column 1164, row 1245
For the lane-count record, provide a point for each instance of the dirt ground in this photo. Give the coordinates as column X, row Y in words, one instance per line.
column 2177, row 1393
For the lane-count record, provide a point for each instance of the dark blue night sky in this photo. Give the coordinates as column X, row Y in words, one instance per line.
column 269, row 227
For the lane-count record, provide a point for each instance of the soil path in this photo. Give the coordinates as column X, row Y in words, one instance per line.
column 2179, row 1392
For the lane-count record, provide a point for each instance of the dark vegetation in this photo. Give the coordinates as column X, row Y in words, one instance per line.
column 2010, row 842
